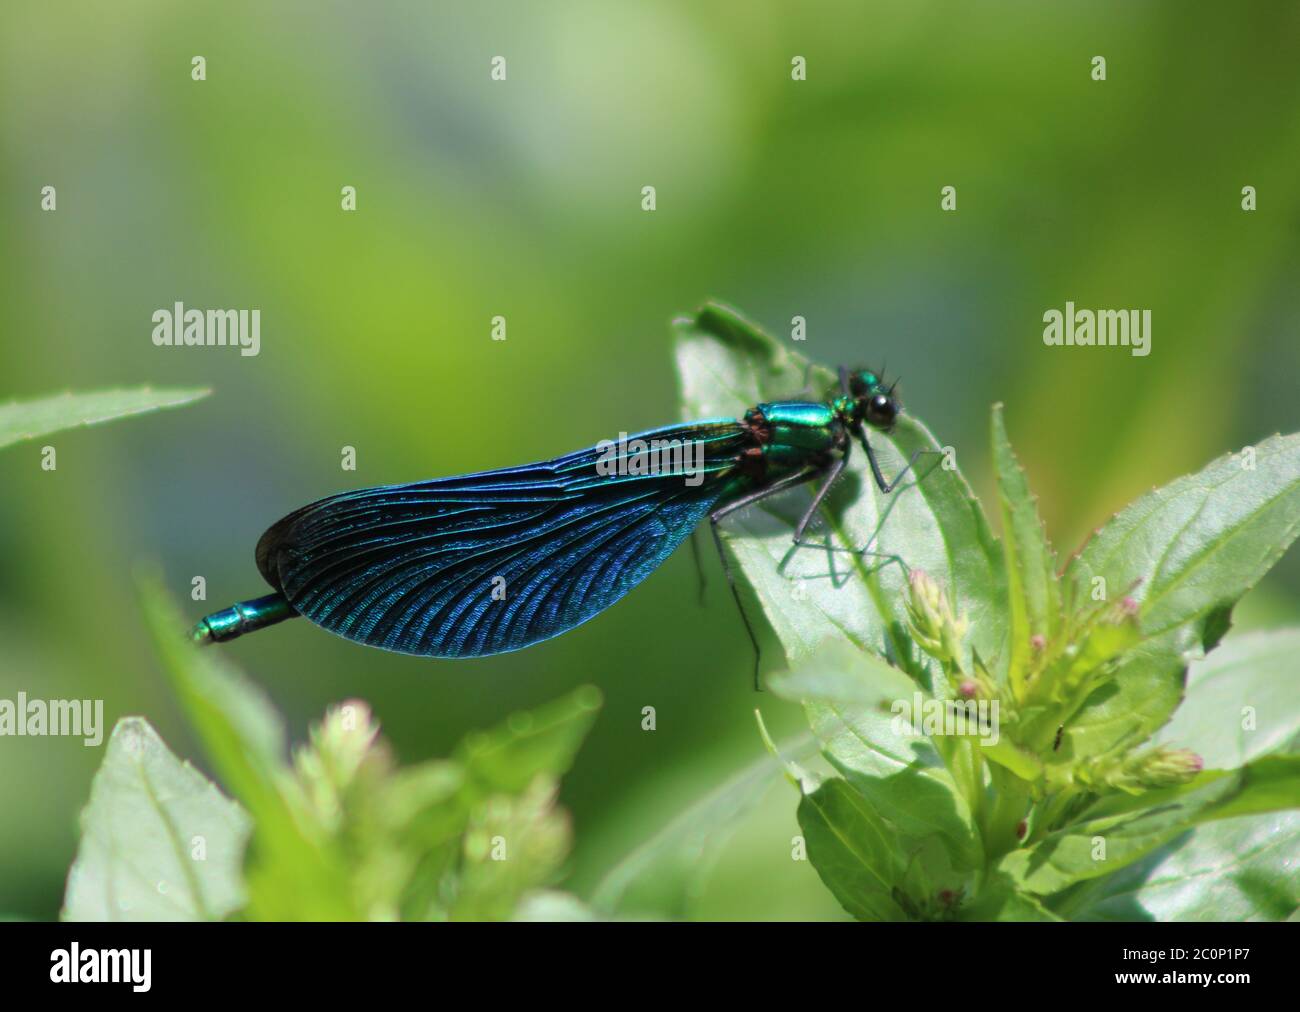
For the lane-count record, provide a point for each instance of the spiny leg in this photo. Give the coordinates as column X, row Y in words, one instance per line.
column 836, row 469
column 887, row 557
column 801, row 541
column 735, row 593
column 885, row 486
column 699, row 565
column 723, row 511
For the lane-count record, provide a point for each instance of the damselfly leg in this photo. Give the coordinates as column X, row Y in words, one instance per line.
column 718, row 514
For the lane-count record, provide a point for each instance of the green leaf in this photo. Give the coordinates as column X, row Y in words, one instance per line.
column 664, row 876
column 159, row 842
column 237, row 723
column 1234, row 870
column 1241, row 701
column 21, row 420
column 1033, row 590
column 342, row 833
column 727, row 365
column 1065, row 687
column 1000, row 900
column 1146, row 687
column 860, row 709
column 1201, row 542
column 513, row 845
column 294, row 873
column 1121, row 828
column 852, row 850
column 901, row 775
column 1186, row 552
column 478, row 833
column 839, row 673
column 543, row 741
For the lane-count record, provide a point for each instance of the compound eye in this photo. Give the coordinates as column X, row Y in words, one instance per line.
column 881, row 411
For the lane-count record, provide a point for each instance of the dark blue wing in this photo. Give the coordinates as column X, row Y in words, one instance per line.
column 490, row 562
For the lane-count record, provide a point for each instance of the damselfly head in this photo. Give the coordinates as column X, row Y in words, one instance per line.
column 874, row 401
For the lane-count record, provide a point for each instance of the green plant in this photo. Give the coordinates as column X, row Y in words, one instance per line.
column 1071, row 790
column 340, row 832
column 20, row 420
column 1064, row 795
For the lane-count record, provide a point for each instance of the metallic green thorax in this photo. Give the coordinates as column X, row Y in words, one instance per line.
column 791, row 436
column 801, row 423
column 797, row 432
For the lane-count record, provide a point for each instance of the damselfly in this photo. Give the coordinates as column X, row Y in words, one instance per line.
column 496, row 561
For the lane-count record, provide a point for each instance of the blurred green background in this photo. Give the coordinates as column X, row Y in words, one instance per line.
column 522, row 198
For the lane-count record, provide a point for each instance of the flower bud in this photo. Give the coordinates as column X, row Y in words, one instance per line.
column 1168, row 767
column 1156, row 767
column 935, row 626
